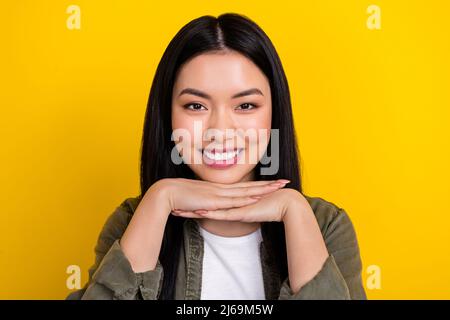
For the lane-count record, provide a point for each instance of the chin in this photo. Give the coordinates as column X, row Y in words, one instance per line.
column 227, row 176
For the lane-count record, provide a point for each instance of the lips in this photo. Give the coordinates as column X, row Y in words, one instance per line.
column 221, row 157
column 222, row 154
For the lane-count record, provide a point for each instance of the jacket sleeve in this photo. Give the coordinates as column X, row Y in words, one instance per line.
column 340, row 275
column 111, row 276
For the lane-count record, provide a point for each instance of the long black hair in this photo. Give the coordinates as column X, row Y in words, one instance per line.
column 208, row 33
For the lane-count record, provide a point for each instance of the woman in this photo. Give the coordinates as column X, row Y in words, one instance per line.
column 224, row 227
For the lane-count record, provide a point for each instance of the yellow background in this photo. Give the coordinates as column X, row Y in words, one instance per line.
column 371, row 110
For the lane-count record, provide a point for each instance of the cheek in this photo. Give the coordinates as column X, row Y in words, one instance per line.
column 182, row 134
column 182, row 122
column 188, row 133
column 178, row 121
column 259, row 120
column 259, row 126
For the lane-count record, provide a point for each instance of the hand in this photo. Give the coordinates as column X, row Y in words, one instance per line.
column 305, row 246
column 190, row 195
column 271, row 207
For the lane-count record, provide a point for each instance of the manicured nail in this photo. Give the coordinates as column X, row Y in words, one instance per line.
column 284, row 181
column 276, row 184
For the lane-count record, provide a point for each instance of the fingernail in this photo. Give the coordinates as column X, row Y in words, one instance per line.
column 284, row 181
column 276, row 184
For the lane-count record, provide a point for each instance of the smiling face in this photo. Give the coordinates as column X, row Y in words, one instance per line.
column 222, row 101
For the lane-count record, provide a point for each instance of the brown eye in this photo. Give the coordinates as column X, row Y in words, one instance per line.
column 246, row 106
column 194, row 106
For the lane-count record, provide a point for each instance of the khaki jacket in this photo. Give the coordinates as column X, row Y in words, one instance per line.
column 111, row 276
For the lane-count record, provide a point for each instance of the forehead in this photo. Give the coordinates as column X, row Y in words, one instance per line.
column 221, row 73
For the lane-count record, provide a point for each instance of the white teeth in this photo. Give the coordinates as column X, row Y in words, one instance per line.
column 219, row 156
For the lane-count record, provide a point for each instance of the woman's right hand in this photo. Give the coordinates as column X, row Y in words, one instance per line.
column 189, row 195
column 141, row 241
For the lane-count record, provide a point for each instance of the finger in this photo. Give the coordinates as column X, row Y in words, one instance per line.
column 186, row 214
column 232, row 202
column 251, row 191
column 220, row 202
column 248, row 183
column 235, row 214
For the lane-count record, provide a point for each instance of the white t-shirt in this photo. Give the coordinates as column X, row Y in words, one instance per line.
column 232, row 267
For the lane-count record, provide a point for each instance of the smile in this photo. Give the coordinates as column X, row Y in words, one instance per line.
column 217, row 156
column 220, row 158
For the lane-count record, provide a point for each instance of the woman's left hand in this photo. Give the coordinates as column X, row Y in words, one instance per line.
column 270, row 207
column 305, row 246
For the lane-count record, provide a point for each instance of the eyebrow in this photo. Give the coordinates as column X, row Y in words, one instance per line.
column 201, row 94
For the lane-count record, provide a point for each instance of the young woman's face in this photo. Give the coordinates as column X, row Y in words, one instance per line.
column 222, row 101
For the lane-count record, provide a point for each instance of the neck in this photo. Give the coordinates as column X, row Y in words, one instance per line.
column 230, row 228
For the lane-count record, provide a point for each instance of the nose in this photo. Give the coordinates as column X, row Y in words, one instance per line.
column 219, row 121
